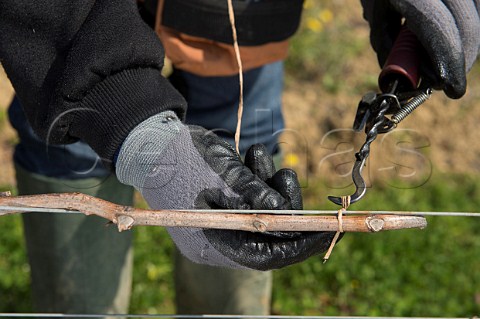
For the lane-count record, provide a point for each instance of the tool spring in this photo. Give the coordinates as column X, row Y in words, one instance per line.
column 411, row 106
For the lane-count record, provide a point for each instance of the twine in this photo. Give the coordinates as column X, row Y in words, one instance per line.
column 345, row 205
column 231, row 16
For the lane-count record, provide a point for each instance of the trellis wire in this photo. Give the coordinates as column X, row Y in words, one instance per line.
column 259, row 211
column 61, row 315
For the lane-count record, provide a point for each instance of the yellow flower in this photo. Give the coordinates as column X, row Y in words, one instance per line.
column 326, row 15
column 153, row 272
column 314, row 25
column 291, row 160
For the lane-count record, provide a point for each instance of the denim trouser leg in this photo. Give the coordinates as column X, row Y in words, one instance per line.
column 213, row 103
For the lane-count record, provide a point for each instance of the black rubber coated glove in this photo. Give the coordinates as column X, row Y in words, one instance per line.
column 177, row 166
column 270, row 250
column 449, row 31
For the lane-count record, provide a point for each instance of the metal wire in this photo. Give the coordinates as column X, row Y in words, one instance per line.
column 259, row 211
column 61, row 315
column 38, row 210
column 331, row 212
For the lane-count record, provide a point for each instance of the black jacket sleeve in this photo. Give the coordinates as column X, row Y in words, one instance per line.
column 86, row 70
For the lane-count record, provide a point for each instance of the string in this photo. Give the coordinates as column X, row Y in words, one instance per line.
column 231, row 16
column 345, row 205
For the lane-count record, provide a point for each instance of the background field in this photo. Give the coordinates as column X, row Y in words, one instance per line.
column 432, row 163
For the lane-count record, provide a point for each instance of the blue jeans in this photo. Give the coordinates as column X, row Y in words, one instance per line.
column 212, row 103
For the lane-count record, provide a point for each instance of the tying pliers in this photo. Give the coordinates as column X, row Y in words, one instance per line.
column 378, row 113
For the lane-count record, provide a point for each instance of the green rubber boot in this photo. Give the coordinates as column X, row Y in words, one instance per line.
column 78, row 264
column 204, row 289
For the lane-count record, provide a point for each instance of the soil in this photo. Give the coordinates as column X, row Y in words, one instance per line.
column 440, row 135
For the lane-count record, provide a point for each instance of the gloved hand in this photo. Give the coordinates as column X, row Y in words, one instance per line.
column 177, row 166
column 449, row 31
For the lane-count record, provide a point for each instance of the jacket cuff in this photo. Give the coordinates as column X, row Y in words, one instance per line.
column 115, row 106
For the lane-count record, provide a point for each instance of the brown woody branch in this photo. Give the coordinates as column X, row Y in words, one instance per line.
column 125, row 217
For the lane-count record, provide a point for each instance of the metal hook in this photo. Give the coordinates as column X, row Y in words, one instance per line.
column 360, row 185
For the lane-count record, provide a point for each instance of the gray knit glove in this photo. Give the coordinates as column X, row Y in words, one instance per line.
column 449, row 31
column 176, row 166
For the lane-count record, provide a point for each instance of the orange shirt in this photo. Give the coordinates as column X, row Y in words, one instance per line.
column 210, row 58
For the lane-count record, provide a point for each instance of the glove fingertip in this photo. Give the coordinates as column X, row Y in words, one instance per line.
column 455, row 90
column 285, row 181
column 259, row 160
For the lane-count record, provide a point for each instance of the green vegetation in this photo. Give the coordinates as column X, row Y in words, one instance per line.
column 14, row 269
column 431, row 272
column 325, row 46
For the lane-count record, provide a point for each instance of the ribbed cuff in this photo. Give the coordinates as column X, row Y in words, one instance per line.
column 118, row 104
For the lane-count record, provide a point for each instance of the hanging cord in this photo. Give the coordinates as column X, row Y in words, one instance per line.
column 345, row 204
column 231, row 15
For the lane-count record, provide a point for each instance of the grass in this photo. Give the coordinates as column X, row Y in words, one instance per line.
column 14, row 269
column 431, row 272
column 326, row 40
